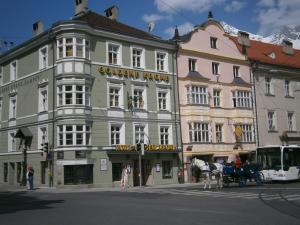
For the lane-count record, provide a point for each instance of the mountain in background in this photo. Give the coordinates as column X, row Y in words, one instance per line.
column 292, row 33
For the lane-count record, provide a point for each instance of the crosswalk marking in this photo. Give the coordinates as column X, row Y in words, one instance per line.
column 218, row 194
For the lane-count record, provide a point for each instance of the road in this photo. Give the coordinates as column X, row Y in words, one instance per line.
column 270, row 204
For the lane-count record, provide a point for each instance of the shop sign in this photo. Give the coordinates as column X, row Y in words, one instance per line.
column 152, row 147
column 134, row 74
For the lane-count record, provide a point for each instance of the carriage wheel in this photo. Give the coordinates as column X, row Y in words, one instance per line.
column 260, row 178
column 225, row 181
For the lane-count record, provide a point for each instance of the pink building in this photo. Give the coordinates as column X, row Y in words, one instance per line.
column 215, row 92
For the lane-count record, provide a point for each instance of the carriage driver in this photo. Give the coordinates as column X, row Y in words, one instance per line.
column 206, row 173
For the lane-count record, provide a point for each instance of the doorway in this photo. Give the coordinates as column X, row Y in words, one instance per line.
column 11, row 171
column 147, row 178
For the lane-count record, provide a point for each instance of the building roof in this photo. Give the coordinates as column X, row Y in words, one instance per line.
column 270, row 53
column 101, row 22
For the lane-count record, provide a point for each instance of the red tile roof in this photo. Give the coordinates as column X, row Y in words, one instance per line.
column 260, row 51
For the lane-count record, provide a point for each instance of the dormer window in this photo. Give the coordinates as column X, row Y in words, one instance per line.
column 213, row 42
column 272, row 55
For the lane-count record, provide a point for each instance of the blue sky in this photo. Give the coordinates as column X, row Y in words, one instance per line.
column 255, row 16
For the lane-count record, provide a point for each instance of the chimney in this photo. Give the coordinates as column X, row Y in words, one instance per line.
column 287, row 47
column 37, row 28
column 244, row 41
column 112, row 12
column 210, row 15
column 81, row 7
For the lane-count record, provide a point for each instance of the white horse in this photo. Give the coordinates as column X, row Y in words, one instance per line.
column 205, row 170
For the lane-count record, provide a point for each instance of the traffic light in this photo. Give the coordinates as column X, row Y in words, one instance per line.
column 142, row 148
column 45, row 147
column 138, row 146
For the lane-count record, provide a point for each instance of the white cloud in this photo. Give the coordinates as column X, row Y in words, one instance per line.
column 268, row 3
column 173, row 6
column 154, row 18
column 281, row 13
column 234, row 6
column 183, row 29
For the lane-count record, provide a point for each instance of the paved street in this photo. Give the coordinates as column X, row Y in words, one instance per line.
column 175, row 204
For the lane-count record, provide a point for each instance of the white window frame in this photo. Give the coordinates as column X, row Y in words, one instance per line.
column 1, row 109
column 269, row 89
column 144, row 97
column 288, row 88
column 43, row 57
column 61, row 43
column 142, row 57
column 12, row 107
column 167, row 99
column 205, row 134
column 219, row 132
column 271, row 119
column 122, row 132
column 119, row 53
column 120, row 87
column 62, row 92
column 86, row 134
column 236, row 71
column 217, row 98
column 241, row 99
column 12, row 141
column 144, row 133
column 247, row 133
column 1, row 75
column 215, row 68
column 165, row 61
column 43, row 105
column 192, row 64
column 170, row 134
column 291, row 121
column 213, row 42
column 42, row 136
column 13, row 70
column 197, row 95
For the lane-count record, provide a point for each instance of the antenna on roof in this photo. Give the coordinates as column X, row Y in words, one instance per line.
column 151, row 26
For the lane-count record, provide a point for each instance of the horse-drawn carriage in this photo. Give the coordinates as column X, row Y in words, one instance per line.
column 229, row 173
column 247, row 172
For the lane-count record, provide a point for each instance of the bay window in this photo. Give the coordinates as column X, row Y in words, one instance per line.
column 73, row 47
column 74, row 135
column 73, row 94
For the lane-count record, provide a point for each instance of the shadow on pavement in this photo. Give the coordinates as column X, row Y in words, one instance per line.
column 11, row 202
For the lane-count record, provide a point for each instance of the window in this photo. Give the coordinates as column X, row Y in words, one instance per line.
column 114, row 54
column 236, row 71
column 114, row 97
column 1, row 75
column 116, row 134
column 217, row 98
column 197, row 95
column 139, row 133
column 73, row 95
column 199, row 132
column 161, row 61
column 219, row 128
column 77, row 135
column 137, row 58
column 0, row 110
column 271, row 121
column 241, row 99
column 11, row 142
column 73, row 47
column 213, row 42
column 138, row 98
column 42, row 136
column 291, row 121
column 167, row 169
column 268, row 86
column 215, row 68
column 247, row 133
column 43, row 58
column 43, row 99
column 192, row 64
column 287, row 88
column 13, row 70
column 12, row 107
column 164, row 135
column 162, row 100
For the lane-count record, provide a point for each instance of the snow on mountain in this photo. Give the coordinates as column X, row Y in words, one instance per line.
column 292, row 33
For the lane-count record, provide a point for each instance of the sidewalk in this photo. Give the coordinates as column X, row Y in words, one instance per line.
column 8, row 188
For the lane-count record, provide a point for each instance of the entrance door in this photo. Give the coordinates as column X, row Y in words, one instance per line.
column 43, row 172
column 11, row 176
column 147, row 177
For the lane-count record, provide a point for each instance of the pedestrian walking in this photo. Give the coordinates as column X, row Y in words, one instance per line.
column 29, row 177
column 125, row 177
